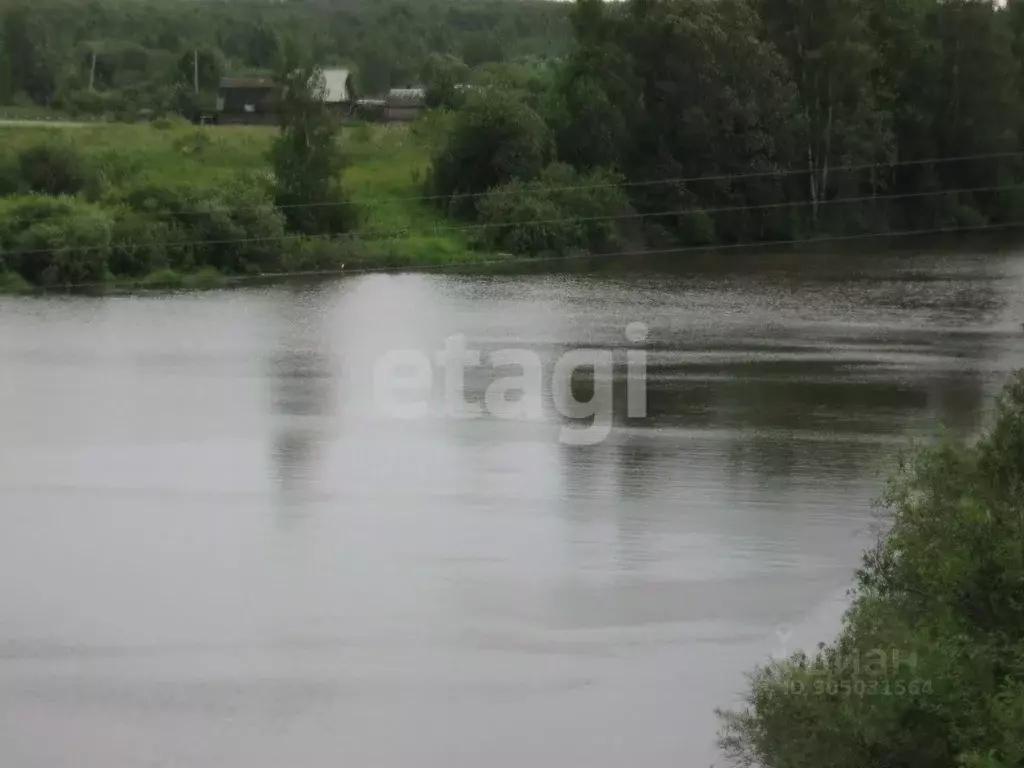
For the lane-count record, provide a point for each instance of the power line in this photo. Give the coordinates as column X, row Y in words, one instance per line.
column 632, row 215
column 693, row 179
column 687, row 249
column 512, row 261
column 781, row 173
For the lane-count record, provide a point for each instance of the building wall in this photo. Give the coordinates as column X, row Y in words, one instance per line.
column 402, row 114
column 235, row 99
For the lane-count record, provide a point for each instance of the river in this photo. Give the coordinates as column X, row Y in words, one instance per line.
column 218, row 550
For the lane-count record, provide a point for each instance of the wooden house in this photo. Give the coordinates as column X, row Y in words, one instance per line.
column 249, row 100
column 254, row 100
column 404, row 104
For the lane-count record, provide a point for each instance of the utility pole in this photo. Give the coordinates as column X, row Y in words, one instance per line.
column 195, row 69
column 92, row 70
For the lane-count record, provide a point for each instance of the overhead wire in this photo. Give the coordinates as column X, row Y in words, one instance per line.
column 370, row 234
column 586, row 256
column 677, row 180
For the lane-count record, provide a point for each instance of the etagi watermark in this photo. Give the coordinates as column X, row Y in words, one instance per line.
column 401, row 379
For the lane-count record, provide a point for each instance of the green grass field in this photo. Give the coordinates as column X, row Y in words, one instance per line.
column 384, row 177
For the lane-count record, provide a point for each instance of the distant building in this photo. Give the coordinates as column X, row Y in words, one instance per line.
column 251, row 100
column 371, row 110
column 403, row 104
column 254, row 100
column 339, row 90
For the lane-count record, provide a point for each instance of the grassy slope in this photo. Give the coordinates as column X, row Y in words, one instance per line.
column 387, row 166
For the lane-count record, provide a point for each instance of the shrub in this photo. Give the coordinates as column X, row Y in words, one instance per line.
column 18, row 213
column 234, row 229
column 206, row 277
column 139, row 244
column 927, row 667
column 442, row 74
column 193, row 143
column 53, row 167
column 247, row 216
column 56, row 242
column 360, row 135
column 697, row 228
column 313, row 254
column 113, row 169
column 162, row 278
column 162, row 123
column 495, row 139
column 12, row 282
column 562, row 210
column 10, row 176
column 83, row 102
column 968, row 216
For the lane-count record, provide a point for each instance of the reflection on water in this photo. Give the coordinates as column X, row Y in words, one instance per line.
column 217, row 550
column 302, row 385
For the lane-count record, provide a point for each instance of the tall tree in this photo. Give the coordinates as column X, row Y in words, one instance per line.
column 30, row 58
column 441, row 76
column 832, row 56
column 681, row 88
column 907, row 87
column 306, row 155
column 979, row 112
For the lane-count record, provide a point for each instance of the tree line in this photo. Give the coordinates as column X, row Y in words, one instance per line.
column 780, row 119
column 598, row 126
column 119, row 56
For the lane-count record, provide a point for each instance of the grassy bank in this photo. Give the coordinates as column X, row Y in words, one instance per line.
column 123, row 163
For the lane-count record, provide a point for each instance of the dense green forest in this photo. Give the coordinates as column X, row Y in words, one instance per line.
column 591, row 128
column 557, row 129
column 777, row 119
column 93, row 55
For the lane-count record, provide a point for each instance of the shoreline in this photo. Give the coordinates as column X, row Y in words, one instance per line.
column 476, row 263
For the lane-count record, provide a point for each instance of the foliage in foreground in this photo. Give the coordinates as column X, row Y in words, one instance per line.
column 305, row 155
column 561, row 211
column 494, row 139
column 928, row 668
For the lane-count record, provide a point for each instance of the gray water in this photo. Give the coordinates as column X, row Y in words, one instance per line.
column 216, row 551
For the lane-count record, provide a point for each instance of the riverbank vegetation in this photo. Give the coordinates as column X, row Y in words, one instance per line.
column 555, row 130
column 123, row 205
column 739, row 121
column 928, row 668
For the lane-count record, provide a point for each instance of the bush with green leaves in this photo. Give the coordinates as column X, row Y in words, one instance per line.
column 141, row 244
column 53, row 167
column 12, row 282
column 317, row 254
column 928, row 667
column 11, row 182
column 562, row 210
column 306, row 155
column 496, row 138
column 234, row 229
column 443, row 76
column 55, row 241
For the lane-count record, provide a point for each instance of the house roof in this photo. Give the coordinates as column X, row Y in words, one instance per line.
column 406, row 97
column 247, row 82
column 336, row 85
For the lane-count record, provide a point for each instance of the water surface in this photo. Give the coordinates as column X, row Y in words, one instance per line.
column 216, row 551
